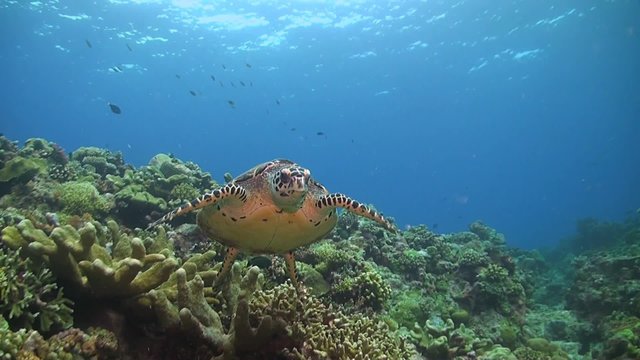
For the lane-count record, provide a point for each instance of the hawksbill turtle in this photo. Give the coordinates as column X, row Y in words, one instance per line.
column 272, row 208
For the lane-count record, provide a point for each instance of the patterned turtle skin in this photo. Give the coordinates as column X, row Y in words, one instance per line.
column 273, row 208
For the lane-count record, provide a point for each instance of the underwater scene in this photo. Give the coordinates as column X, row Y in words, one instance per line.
column 399, row 179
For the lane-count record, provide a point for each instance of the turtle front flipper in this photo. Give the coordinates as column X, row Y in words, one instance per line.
column 342, row 201
column 228, row 191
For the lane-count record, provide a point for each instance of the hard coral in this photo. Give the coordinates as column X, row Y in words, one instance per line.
column 367, row 289
column 29, row 296
column 318, row 331
column 68, row 344
column 79, row 197
column 81, row 260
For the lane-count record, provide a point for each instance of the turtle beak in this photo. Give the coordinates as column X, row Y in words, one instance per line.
column 295, row 180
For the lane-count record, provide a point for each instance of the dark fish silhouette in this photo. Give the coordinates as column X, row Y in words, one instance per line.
column 224, row 67
column 320, row 133
column 129, row 47
column 242, row 83
column 115, row 108
column 248, row 65
column 293, row 129
column 88, row 43
column 251, row 83
column 231, row 103
column 232, row 84
column 213, row 78
column 178, row 76
column 221, row 84
column 116, row 69
column 192, row 92
column 278, row 102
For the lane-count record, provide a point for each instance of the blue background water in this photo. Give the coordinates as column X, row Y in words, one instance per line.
column 524, row 114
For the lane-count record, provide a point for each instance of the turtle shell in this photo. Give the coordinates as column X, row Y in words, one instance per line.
column 259, row 225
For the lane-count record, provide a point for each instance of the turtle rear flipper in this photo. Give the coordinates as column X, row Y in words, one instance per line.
column 228, row 191
column 338, row 200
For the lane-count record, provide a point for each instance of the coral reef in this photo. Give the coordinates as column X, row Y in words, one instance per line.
column 29, row 296
column 80, row 279
column 80, row 259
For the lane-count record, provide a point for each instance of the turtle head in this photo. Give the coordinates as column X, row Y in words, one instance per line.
column 289, row 186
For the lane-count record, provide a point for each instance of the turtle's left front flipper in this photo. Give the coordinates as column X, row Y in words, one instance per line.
column 228, row 191
column 345, row 202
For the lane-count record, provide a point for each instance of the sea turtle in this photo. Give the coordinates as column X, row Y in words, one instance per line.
column 273, row 208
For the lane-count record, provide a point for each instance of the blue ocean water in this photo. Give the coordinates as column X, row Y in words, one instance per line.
column 523, row 114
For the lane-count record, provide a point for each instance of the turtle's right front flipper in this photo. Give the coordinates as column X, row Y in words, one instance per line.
column 228, row 191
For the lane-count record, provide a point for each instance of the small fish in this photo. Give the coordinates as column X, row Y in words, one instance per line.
column 88, row 43
column 434, row 226
column 224, row 67
column 278, row 102
column 248, row 65
column 115, row 108
column 242, row 83
column 116, row 69
column 292, row 129
column 193, row 93
column 213, row 78
column 129, row 47
column 320, row 133
column 232, row 84
column 178, row 76
column 231, row 103
column 251, row 83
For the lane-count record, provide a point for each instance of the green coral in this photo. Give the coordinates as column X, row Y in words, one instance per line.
column 318, row 331
column 80, row 259
column 367, row 289
column 184, row 192
column 29, row 295
column 98, row 161
column 409, row 307
column 67, row 345
column 498, row 352
column 10, row 342
column 80, row 197
column 329, row 258
column 192, row 314
column 410, row 262
column 22, row 169
column 621, row 336
column 495, row 286
column 432, row 337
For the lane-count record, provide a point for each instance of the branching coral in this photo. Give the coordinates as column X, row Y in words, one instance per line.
column 68, row 344
column 191, row 314
column 78, row 258
column 29, row 296
column 318, row 331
